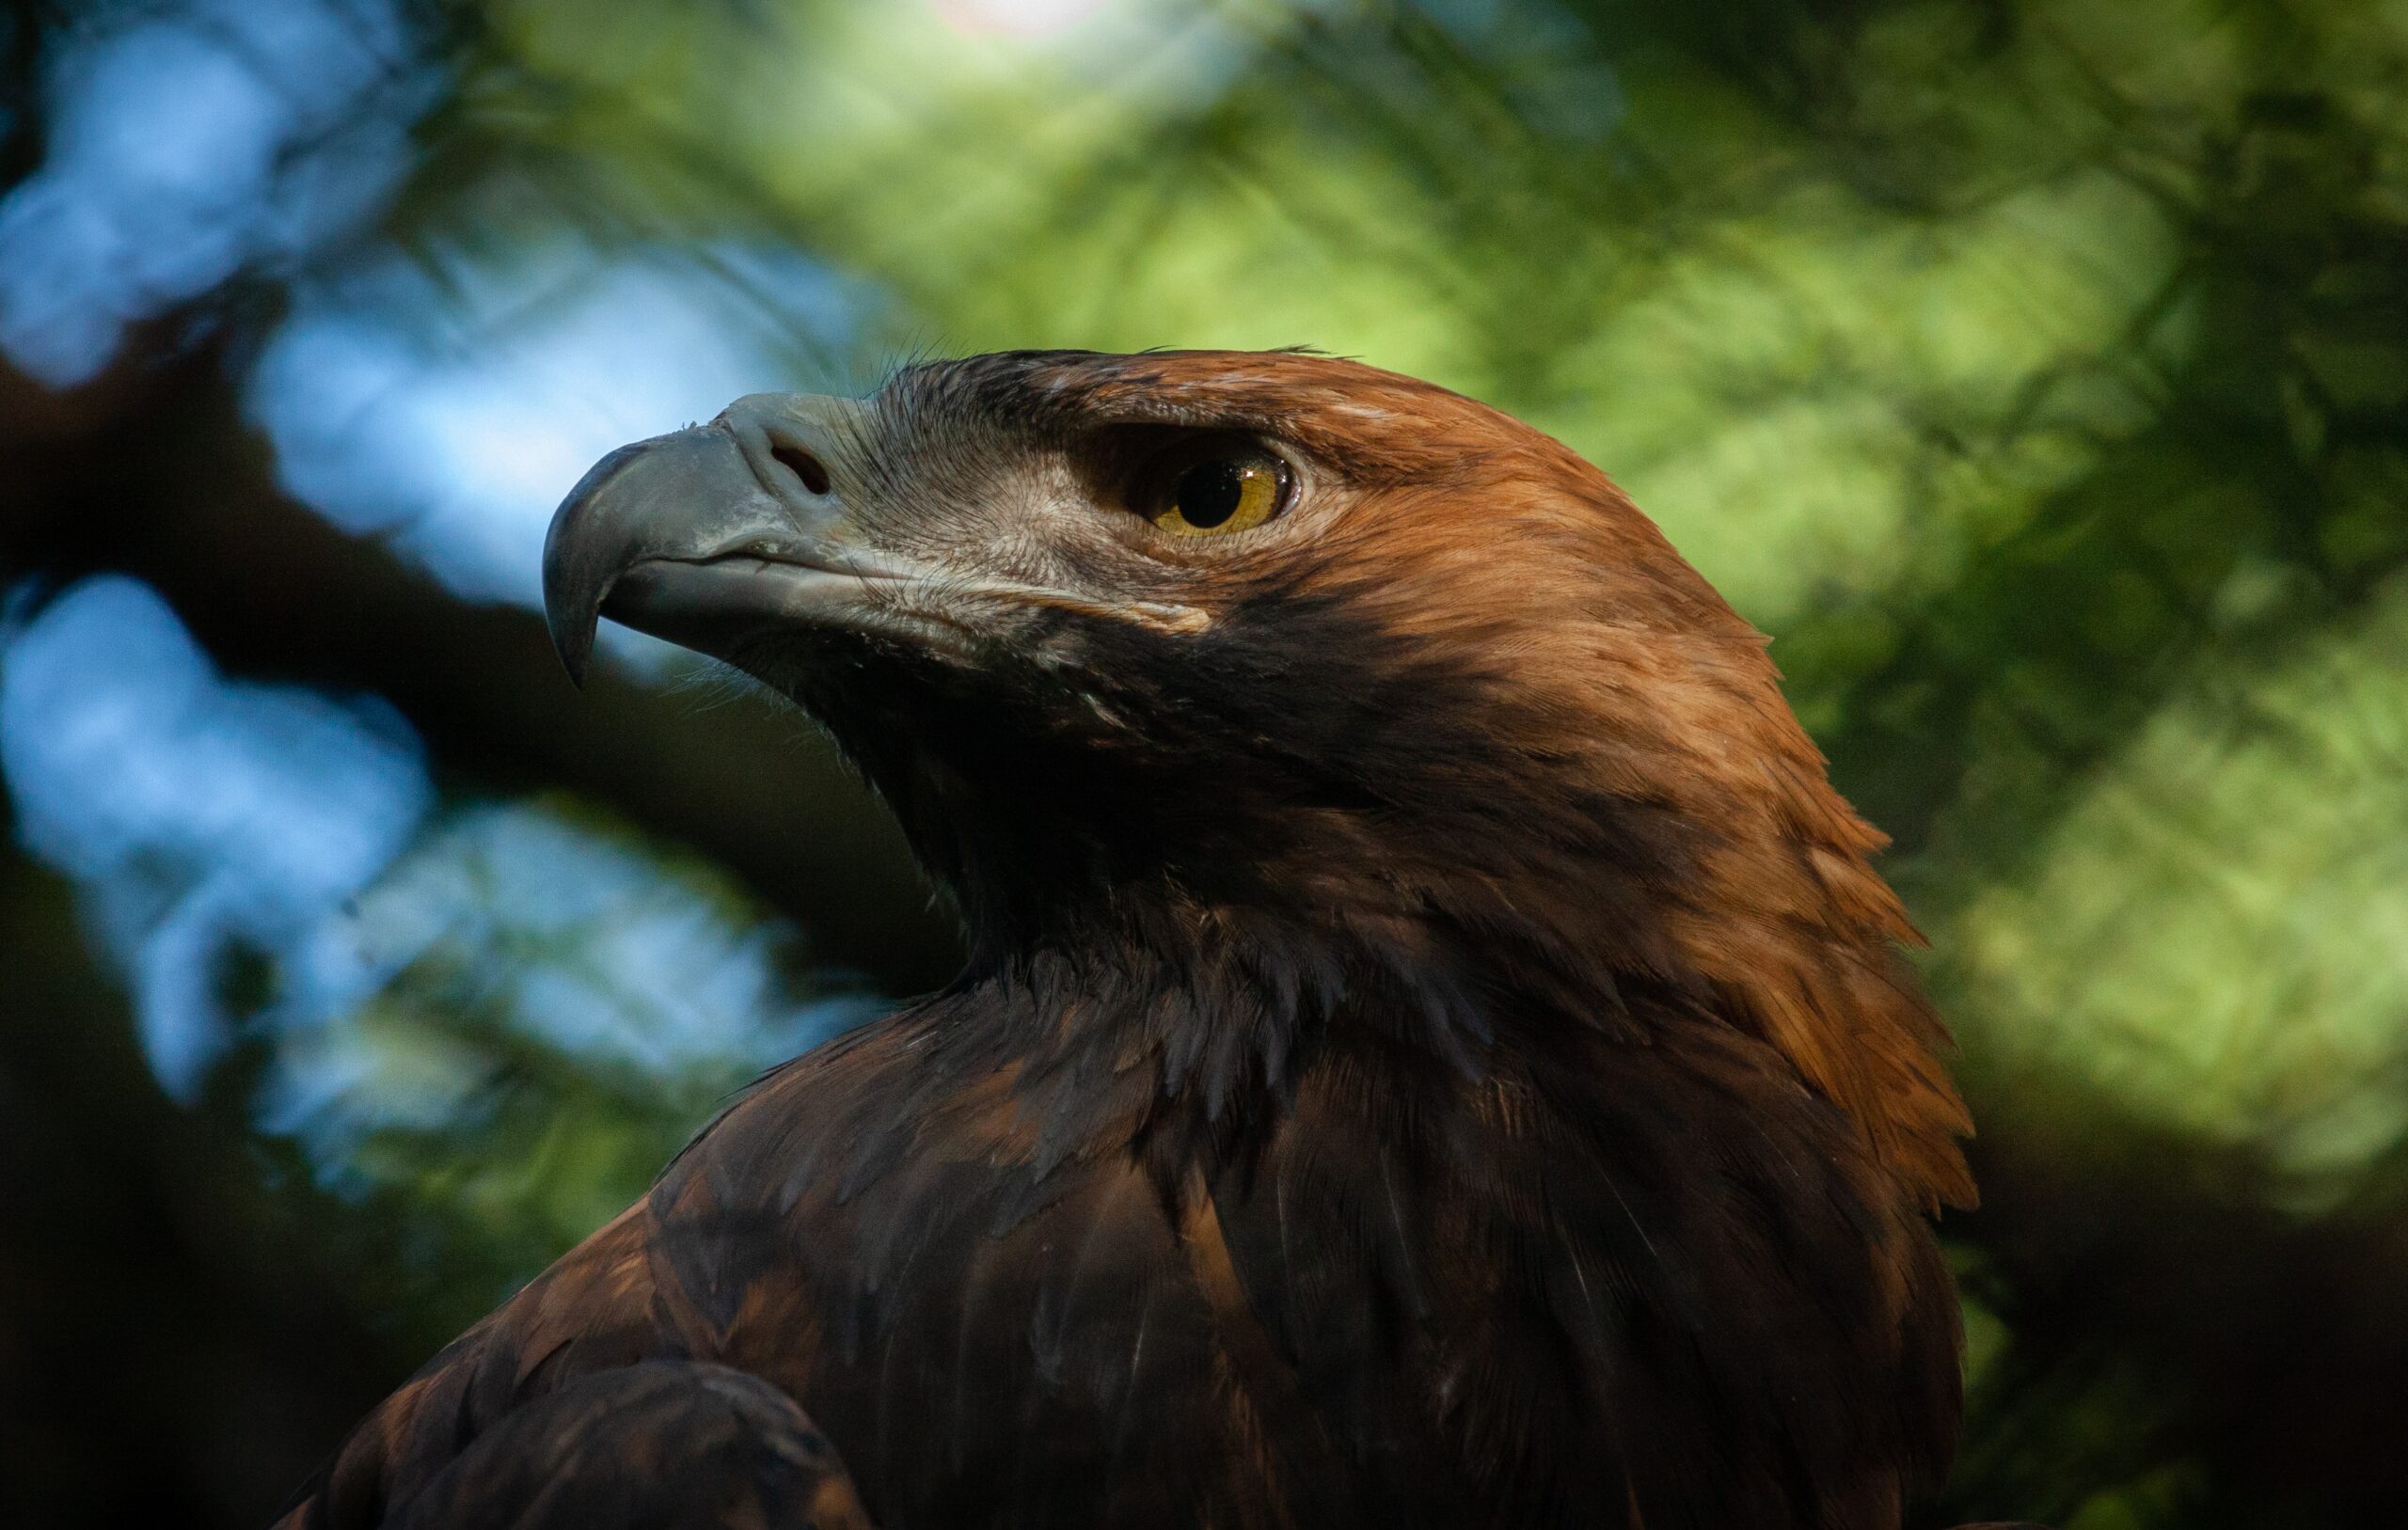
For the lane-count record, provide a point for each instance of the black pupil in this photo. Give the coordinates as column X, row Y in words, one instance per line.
column 1209, row 493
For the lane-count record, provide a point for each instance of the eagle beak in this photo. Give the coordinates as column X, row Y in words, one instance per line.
column 710, row 535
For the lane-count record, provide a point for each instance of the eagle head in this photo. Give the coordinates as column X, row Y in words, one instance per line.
column 1281, row 662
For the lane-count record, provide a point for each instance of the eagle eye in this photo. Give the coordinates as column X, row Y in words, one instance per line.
column 1221, row 489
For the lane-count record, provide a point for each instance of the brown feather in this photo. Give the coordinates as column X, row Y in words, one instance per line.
column 1435, row 1051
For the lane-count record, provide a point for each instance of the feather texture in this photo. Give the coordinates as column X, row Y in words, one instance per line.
column 1435, row 1051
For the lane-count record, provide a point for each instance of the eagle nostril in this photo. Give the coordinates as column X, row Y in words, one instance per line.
column 803, row 465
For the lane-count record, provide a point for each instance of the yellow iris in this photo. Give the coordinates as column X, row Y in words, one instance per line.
column 1223, row 494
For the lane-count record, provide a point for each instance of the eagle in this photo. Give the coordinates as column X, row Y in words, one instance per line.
column 1433, row 1050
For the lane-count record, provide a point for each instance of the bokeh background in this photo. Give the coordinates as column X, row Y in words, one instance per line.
column 2037, row 373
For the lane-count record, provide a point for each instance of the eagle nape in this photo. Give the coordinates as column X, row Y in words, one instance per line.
column 1433, row 1050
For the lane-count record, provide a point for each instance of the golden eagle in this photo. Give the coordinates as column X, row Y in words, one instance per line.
column 1432, row 1050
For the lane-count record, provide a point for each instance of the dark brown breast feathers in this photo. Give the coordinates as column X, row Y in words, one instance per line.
column 1662, row 1285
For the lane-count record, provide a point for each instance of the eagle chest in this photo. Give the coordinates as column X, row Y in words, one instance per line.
column 1365, row 1323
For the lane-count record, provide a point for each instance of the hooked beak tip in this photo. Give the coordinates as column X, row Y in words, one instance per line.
column 570, row 613
column 576, row 650
column 585, row 550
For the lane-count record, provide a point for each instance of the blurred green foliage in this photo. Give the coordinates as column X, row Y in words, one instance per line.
column 2037, row 374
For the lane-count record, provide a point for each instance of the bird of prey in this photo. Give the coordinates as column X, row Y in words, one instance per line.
column 1433, row 1051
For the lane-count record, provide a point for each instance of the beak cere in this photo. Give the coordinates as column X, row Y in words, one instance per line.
column 704, row 537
